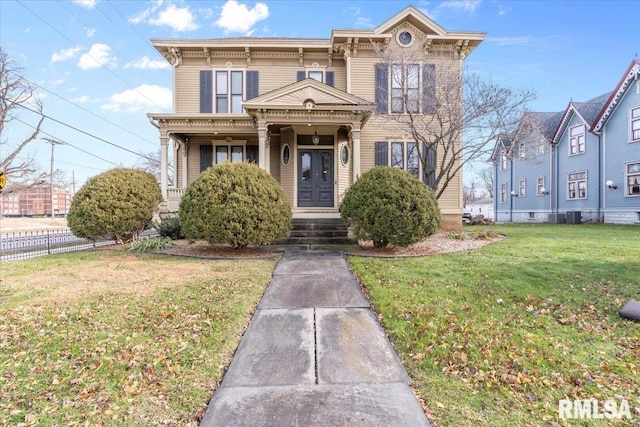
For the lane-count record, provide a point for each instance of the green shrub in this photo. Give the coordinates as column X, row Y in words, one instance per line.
column 117, row 203
column 235, row 203
column 388, row 205
column 170, row 228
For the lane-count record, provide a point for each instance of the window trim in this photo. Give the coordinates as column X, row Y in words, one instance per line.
column 503, row 162
column 633, row 121
column 229, row 144
column 405, row 157
column 503, row 192
column 522, row 153
column 540, row 186
column 627, row 175
column 576, row 138
column 421, row 106
column 577, row 181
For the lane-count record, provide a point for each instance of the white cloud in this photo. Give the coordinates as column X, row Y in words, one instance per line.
column 361, row 21
column 142, row 16
column 238, row 18
column 178, row 18
column 90, row 32
column 509, row 41
column 87, row 4
column 84, row 99
column 145, row 63
column 469, row 6
column 503, row 10
column 142, row 98
column 99, row 55
column 27, row 30
column 65, row 54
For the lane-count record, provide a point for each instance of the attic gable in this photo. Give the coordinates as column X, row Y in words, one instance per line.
column 416, row 18
column 631, row 75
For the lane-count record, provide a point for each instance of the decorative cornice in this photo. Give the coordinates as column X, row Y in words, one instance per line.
column 630, row 76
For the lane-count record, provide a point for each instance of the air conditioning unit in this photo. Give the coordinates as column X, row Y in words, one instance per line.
column 574, row 217
column 557, row 218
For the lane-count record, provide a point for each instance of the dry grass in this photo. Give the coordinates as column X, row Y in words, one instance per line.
column 10, row 225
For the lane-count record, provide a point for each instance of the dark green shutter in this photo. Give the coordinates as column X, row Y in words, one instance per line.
column 429, row 166
column 206, row 91
column 382, row 153
column 206, row 157
column 301, row 75
column 328, row 76
column 429, row 101
column 382, row 88
column 252, row 85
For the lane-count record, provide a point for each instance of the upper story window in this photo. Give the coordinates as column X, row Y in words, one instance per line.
column 541, row 147
column 577, row 186
column 633, row 179
column 503, row 193
column 405, row 88
column 503, row 162
column 522, row 152
column 223, row 91
column 321, row 75
column 635, row 124
column 576, row 140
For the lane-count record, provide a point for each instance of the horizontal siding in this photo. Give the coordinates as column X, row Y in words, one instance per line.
column 187, row 89
column 274, row 152
column 287, row 172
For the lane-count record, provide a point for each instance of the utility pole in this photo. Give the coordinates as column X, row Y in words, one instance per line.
column 53, row 143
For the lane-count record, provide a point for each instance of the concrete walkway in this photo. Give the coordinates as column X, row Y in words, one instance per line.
column 314, row 355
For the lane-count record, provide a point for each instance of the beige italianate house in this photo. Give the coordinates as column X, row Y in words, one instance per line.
column 314, row 113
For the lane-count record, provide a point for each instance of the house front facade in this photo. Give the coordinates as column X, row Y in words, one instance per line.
column 314, row 113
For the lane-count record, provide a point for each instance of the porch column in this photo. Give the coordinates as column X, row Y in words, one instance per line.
column 263, row 145
column 185, row 163
column 164, row 155
column 355, row 138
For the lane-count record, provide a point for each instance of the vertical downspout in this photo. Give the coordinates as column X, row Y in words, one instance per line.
column 509, row 190
column 600, row 149
column 556, row 184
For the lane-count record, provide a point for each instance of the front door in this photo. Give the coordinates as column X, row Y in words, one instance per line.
column 315, row 178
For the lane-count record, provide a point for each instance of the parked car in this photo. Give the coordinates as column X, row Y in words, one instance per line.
column 466, row 216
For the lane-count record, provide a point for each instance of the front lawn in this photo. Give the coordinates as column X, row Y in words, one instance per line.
column 497, row 336
column 119, row 338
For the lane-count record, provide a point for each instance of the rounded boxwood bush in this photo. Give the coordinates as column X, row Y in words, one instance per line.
column 235, row 203
column 389, row 205
column 117, row 203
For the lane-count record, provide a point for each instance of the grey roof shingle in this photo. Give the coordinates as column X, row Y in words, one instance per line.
column 590, row 109
column 547, row 122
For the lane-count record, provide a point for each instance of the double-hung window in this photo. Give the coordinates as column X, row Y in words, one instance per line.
column 503, row 193
column 633, row 179
column 323, row 76
column 406, row 156
column 223, row 91
column 635, row 124
column 576, row 140
column 405, row 88
column 503, row 162
column 540, row 186
column 577, row 186
column 522, row 151
column 522, row 189
column 229, row 92
column 541, row 147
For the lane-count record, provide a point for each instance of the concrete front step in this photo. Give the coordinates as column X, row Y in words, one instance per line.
column 317, row 241
column 318, row 231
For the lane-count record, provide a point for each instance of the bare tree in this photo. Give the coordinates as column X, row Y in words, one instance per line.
column 17, row 95
column 469, row 193
column 486, row 179
column 151, row 163
column 453, row 117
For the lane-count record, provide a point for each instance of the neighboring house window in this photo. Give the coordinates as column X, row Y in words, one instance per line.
column 576, row 140
column 405, row 156
column 326, row 77
column 522, row 190
column 405, row 88
column 503, row 162
column 540, row 186
column 577, row 185
column 521, row 151
column 541, row 147
column 633, row 179
column 635, row 124
column 503, row 193
column 231, row 89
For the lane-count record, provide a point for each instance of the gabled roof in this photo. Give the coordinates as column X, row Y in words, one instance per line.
column 629, row 76
column 416, row 18
column 503, row 144
column 587, row 112
column 308, row 94
column 546, row 122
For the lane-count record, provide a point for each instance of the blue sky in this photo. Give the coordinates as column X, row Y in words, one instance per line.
column 99, row 74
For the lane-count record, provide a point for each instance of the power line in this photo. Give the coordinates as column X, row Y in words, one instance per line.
column 66, row 143
column 90, row 112
column 81, row 131
column 86, row 53
column 79, row 166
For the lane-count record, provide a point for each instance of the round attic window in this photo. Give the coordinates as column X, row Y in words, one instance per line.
column 405, row 38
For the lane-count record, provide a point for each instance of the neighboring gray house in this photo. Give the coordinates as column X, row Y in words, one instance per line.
column 582, row 164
